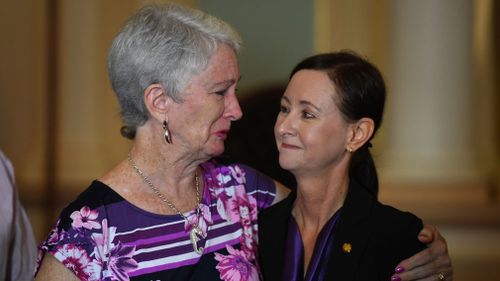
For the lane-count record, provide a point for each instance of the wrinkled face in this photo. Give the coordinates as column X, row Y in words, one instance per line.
column 200, row 123
column 310, row 131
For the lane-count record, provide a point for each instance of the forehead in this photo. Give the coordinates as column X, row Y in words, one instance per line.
column 222, row 68
column 311, row 85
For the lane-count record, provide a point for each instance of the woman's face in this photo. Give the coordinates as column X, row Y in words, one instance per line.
column 202, row 121
column 310, row 131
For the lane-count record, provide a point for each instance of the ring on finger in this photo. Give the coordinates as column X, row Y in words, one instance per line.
column 441, row 276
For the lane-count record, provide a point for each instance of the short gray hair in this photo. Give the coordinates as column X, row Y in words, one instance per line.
column 166, row 44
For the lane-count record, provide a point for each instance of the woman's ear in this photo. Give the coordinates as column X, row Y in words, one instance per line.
column 362, row 131
column 156, row 101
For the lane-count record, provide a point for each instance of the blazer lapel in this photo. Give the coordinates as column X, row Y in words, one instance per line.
column 353, row 230
column 273, row 222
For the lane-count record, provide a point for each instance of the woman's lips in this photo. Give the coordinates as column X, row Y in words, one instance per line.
column 289, row 146
column 222, row 134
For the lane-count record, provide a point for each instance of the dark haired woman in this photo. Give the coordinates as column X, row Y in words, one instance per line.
column 332, row 227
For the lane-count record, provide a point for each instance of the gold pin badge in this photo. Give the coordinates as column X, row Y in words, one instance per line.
column 346, row 248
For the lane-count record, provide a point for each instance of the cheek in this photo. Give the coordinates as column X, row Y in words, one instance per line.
column 276, row 127
column 324, row 137
column 207, row 115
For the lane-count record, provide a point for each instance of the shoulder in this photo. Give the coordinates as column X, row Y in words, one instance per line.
column 360, row 205
column 397, row 230
column 385, row 224
column 224, row 173
column 81, row 227
column 85, row 210
column 96, row 195
column 395, row 237
column 391, row 216
column 383, row 234
column 395, row 223
column 235, row 179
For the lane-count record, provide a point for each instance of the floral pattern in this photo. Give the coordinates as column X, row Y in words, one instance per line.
column 88, row 245
column 236, row 205
column 235, row 266
column 107, row 261
column 77, row 260
column 85, row 218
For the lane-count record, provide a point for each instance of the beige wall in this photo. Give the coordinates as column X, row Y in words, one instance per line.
column 86, row 129
column 23, row 87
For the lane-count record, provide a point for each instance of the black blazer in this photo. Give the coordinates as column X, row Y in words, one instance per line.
column 381, row 237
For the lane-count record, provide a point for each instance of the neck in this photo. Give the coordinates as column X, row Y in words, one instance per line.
column 172, row 174
column 319, row 197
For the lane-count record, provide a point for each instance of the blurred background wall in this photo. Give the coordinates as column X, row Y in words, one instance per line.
column 438, row 152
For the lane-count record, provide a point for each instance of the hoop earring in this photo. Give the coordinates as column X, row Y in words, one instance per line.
column 166, row 135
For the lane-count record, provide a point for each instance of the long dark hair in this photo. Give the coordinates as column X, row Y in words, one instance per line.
column 361, row 93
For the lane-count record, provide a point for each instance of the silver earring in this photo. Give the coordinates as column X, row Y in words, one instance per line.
column 349, row 149
column 167, row 137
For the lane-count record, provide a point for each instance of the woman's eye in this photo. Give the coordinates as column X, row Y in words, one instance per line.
column 307, row 115
column 222, row 92
column 283, row 109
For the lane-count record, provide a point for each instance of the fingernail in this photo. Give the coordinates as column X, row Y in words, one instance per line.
column 395, row 278
column 400, row 269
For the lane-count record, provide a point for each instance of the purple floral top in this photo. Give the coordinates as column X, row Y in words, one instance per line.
column 101, row 236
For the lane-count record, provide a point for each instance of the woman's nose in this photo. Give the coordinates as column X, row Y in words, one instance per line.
column 233, row 109
column 283, row 125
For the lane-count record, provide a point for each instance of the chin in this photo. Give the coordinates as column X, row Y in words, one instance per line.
column 287, row 164
column 216, row 150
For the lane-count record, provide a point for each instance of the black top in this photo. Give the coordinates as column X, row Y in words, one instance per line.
column 380, row 237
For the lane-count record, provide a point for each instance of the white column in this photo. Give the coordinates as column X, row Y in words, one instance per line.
column 429, row 121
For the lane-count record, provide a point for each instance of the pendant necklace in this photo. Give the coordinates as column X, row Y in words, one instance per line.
column 195, row 233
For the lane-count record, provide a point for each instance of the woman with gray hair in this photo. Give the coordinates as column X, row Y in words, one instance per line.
column 168, row 211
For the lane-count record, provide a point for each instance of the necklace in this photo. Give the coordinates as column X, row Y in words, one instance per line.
column 195, row 233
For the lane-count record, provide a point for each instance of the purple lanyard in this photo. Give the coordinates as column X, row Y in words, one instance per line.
column 293, row 269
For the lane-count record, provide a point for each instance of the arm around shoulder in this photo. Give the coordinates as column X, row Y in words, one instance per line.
column 399, row 240
column 281, row 192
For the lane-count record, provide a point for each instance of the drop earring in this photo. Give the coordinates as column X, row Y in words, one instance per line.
column 166, row 135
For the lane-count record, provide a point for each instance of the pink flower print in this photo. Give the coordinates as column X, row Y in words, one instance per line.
column 235, row 266
column 85, row 218
column 249, row 237
column 222, row 179
column 120, row 262
column 203, row 222
column 238, row 174
column 78, row 261
column 248, row 241
column 117, row 260
column 222, row 199
column 241, row 206
column 104, row 241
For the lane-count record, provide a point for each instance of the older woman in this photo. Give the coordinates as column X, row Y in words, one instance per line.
column 167, row 211
column 333, row 227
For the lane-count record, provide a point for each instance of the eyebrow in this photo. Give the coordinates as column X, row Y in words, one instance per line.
column 302, row 102
column 228, row 82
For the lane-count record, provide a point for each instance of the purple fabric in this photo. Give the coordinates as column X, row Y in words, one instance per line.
column 293, row 269
column 294, row 257
column 102, row 236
